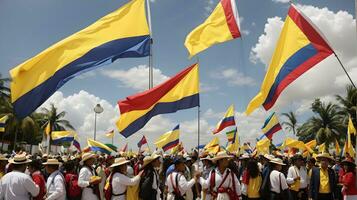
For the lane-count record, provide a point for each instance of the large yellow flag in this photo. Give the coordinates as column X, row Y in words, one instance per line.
column 213, row 146
column 263, row 146
column 351, row 128
column 221, row 26
column 337, row 147
column 234, row 146
column 48, row 128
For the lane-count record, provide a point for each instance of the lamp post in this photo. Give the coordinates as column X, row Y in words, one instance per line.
column 97, row 110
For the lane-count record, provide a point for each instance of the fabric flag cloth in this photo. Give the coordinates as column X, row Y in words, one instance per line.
column 337, row 147
column 228, row 120
column 178, row 93
column 348, row 146
column 292, row 143
column 247, row 148
column 48, row 128
column 110, row 134
column 169, row 140
column 234, row 146
column 110, row 38
column 221, row 26
column 3, row 123
column 142, row 141
column 114, row 148
column 214, row 142
column 125, row 148
column 299, row 48
column 263, row 146
column 98, row 146
column 309, row 147
column 62, row 136
column 232, row 135
column 322, row 148
column 76, row 143
column 271, row 126
column 351, row 128
column 178, row 148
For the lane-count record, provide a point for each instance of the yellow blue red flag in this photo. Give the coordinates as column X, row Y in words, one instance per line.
column 221, row 26
column 62, row 136
column 169, row 140
column 271, row 126
column 177, row 93
column 228, row 120
column 232, row 135
column 299, row 48
column 121, row 34
column 110, row 134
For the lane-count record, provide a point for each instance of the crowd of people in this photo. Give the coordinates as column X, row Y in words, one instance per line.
column 155, row 176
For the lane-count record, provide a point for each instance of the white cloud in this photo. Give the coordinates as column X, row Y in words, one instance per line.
column 281, row 1
column 136, row 77
column 210, row 5
column 234, row 77
column 325, row 79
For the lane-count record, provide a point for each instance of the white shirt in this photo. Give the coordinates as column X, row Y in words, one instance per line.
column 55, row 186
column 120, row 183
column 294, row 172
column 156, row 184
column 228, row 183
column 183, row 184
column 274, row 181
column 83, row 182
column 17, row 186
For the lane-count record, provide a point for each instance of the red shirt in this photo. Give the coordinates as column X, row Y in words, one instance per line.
column 349, row 181
column 39, row 180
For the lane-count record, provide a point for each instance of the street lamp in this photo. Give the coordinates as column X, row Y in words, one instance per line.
column 97, row 110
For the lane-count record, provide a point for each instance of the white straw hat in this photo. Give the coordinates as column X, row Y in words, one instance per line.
column 19, row 159
column 277, row 161
column 119, row 161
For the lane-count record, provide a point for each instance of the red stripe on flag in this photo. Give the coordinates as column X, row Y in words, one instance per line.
column 231, row 21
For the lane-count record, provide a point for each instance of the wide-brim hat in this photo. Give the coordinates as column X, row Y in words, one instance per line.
column 244, row 156
column 277, row 161
column 20, row 159
column 3, row 158
column 52, row 162
column 324, row 155
column 148, row 159
column 348, row 161
column 221, row 155
column 119, row 161
column 268, row 156
column 87, row 156
column 178, row 160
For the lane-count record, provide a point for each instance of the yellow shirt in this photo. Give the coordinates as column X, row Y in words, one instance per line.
column 254, row 186
column 324, row 182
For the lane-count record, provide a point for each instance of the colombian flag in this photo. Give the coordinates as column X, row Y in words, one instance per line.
column 179, row 92
column 299, row 48
column 271, row 126
column 97, row 146
column 228, row 120
column 3, row 123
column 110, row 134
column 221, row 26
column 231, row 135
column 169, row 140
column 121, row 34
column 62, row 136
column 76, row 143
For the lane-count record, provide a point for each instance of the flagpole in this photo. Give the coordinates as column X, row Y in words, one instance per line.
column 151, row 74
column 198, row 122
column 344, row 69
column 356, row 105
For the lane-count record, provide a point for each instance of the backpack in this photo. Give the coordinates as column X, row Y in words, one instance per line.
column 72, row 187
column 146, row 182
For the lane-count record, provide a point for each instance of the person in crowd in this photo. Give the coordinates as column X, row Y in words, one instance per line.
column 55, row 186
column 37, row 176
column 243, row 165
column 297, row 179
column 323, row 183
column 74, row 192
column 251, row 181
column 177, row 184
column 87, row 178
column 3, row 163
column 16, row 185
column 150, row 182
column 349, row 189
column 119, row 179
column 222, row 183
column 278, row 185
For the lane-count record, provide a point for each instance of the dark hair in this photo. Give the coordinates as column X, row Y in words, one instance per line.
column 253, row 168
column 69, row 166
column 36, row 164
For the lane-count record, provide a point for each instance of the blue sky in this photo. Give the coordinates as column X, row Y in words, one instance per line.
column 229, row 72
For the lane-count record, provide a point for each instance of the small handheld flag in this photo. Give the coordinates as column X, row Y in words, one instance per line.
column 228, row 120
column 271, row 126
column 169, row 140
column 231, row 135
column 98, row 146
column 142, row 141
column 110, row 134
column 62, row 136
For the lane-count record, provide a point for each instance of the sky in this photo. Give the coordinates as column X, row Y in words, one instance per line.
column 230, row 73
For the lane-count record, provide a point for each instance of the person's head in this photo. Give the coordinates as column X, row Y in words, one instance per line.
column 277, row 164
column 179, row 164
column 222, row 160
column 35, row 165
column 20, row 162
column 298, row 161
column 349, row 165
column 311, row 162
column 252, row 167
column 88, row 159
column 152, row 161
column 120, row 165
column 3, row 162
column 324, row 159
column 51, row 165
column 69, row 166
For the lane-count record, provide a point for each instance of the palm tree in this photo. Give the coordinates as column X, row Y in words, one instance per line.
column 326, row 124
column 54, row 118
column 291, row 124
column 4, row 90
column 349, row 103
column 25, row 128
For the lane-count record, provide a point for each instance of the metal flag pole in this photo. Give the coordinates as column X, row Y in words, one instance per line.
column 151, row 71
column 198, row 121
column 355, row 87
